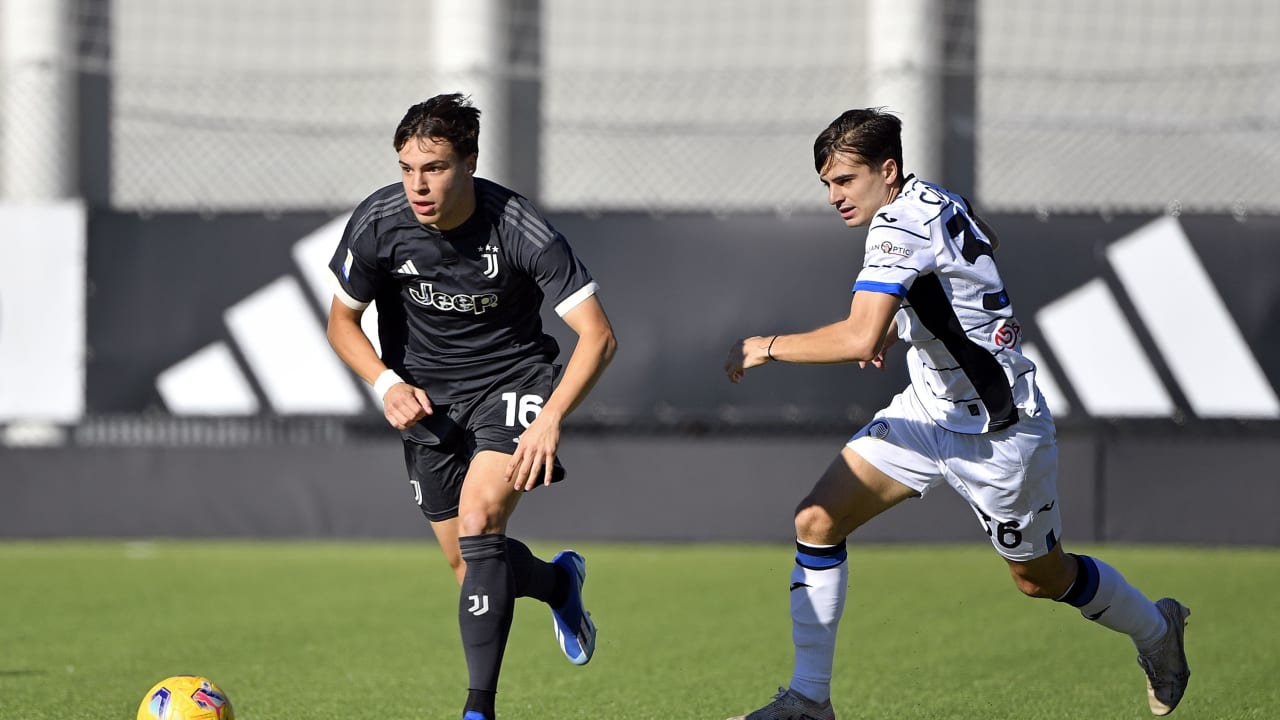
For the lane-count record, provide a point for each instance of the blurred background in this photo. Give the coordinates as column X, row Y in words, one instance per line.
column 175, row 174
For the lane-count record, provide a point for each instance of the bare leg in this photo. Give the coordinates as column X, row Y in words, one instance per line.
column 447, row 536
column 848, row 494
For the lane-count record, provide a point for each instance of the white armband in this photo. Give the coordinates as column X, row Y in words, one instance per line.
column 385, row 381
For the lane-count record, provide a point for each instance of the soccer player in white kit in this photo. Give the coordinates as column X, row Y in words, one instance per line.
column 972, row 417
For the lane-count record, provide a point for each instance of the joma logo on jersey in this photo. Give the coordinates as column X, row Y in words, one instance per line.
column 890, row 249
column 424, row 295
column 490, row 253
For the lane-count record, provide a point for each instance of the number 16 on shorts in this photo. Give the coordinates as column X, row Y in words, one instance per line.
column 524, row 408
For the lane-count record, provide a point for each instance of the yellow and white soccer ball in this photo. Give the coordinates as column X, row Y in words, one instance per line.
column 185, row 697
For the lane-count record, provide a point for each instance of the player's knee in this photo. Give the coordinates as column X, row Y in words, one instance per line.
column 1028, row 587
column 815, row 524
column 1032, row 586
column 1049, row 576
column 480, row 521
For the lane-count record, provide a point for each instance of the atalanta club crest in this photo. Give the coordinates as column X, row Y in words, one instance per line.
column 878, row 429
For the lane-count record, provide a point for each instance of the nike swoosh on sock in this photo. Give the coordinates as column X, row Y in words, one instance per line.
column 1098, row 614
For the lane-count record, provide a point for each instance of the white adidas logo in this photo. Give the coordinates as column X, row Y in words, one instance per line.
column 408, row 268
column 282, row 340
column 1188, row 322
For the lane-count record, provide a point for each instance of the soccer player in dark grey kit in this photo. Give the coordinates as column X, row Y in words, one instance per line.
column 459, row 267
column 972, row 418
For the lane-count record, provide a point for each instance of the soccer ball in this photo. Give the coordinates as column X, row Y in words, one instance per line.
column 185, row 697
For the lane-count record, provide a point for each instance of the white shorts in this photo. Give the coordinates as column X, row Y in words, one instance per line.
column 1009, row 477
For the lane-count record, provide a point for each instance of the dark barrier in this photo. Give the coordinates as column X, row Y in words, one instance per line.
column 666, row 448
column 1172, row 487
column 680, row 289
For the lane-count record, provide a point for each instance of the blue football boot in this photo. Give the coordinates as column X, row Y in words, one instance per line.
column 575, row 633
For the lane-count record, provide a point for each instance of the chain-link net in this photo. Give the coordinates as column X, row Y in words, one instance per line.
column 244, row 104
column 695, row 105
column 1139, row 105
column 668, row 105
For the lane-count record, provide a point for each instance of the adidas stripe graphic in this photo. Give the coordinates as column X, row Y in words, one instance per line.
column 1190, row 324
column 268, row 328
column 1193, row 333
column 1099, row 352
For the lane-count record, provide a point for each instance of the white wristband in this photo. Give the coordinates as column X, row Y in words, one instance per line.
column 385, row 381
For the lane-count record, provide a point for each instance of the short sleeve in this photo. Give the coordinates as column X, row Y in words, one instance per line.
column 547, row 257
column 354, row 266
column 563, row 278
column 897, row 253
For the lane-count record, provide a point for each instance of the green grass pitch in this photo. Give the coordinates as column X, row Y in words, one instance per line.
column 356, row 631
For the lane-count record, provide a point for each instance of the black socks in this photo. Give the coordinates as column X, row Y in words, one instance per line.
column 484, row 615
column 499, row 569
column 536, row 578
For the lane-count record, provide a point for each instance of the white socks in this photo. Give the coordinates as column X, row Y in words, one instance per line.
column 819, row 584
column 1104, row 596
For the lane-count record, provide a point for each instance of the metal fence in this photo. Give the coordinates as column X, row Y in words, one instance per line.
column 664, row 105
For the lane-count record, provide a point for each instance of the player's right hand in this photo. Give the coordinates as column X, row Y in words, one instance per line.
column 890, row 338
column 404, row 405
column 744, row 355
column 876, row 362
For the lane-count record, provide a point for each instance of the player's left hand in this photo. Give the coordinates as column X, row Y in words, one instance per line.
column 535, row 455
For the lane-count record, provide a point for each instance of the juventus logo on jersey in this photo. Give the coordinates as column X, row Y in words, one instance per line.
column 490, row 253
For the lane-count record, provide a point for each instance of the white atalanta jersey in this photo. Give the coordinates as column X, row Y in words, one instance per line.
column 965, row 358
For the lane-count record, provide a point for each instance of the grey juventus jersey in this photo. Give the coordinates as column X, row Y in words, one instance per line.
column 459, row 308
column 965, row 361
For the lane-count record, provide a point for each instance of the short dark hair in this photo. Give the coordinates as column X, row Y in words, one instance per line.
column 870, row 133
column 448, row 117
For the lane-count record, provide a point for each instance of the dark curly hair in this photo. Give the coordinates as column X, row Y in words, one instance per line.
column 448, row 117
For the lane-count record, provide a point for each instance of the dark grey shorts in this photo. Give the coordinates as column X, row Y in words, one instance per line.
column 438, row 451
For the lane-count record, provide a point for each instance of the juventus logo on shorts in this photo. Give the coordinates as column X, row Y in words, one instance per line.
column 479, row 604
column 490, row 253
